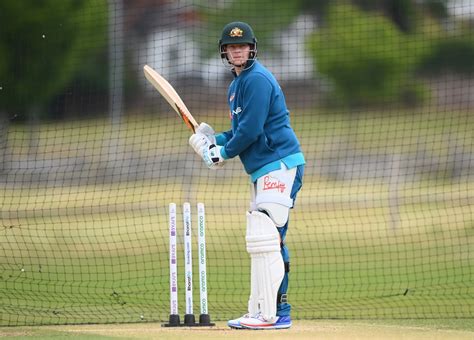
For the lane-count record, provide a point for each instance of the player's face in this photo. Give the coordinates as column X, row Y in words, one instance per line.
column 238, row 54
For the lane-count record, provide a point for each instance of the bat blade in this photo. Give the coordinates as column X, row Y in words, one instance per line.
column 171, row 96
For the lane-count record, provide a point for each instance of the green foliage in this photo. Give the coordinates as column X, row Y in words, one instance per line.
column 401, row 12
column 315, row 7
column 368, row 60
column 450, row 54
column 437, row 8
column 265, row 16
column 44, row 44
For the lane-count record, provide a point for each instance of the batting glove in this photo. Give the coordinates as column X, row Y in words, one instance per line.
column 198, row 141
column 212, row 156
column 207, row 131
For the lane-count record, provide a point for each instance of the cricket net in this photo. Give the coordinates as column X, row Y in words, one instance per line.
column 381, row 98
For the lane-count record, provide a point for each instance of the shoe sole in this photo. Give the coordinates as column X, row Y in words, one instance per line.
column 285, row 326
column 235, row 326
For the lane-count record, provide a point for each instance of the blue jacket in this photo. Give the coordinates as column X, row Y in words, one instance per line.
column 261, row 134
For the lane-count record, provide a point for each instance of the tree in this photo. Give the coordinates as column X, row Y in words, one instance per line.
column 43, row 45
column 366, row 57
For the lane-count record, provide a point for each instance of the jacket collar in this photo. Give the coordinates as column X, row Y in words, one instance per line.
column 250, row 64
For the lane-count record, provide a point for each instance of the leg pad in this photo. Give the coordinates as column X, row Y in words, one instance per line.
column 267, row 267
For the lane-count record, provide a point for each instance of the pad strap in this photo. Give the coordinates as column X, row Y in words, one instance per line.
column 282, row 298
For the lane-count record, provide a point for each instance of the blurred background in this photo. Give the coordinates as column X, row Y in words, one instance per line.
column 381, row 95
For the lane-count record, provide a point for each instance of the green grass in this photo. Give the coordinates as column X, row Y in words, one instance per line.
column 81, row 253
column 303, row 329
column 455, row 324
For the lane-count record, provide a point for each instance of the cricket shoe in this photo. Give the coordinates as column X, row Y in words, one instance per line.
column 259, row 322
column 236, row 322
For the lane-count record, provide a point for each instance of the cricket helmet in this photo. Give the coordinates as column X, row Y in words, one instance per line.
column 238, row 32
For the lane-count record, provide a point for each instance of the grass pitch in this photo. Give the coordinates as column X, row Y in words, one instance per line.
column 75, row 251
column 320, row 329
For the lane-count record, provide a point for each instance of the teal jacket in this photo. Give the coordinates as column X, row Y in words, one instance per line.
column 260, row 134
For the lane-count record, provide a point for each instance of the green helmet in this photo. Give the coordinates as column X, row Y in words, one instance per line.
column 237, row 32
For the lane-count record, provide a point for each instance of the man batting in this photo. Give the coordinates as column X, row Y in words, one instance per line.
column 262, row 137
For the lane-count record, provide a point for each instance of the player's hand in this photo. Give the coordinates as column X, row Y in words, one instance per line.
column 211, row 155
column 198, row 141
column 207, row 131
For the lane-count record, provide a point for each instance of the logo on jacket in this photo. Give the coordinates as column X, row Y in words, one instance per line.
column 237, row 111
column 272, row 183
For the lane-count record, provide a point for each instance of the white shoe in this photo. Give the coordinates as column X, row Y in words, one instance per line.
column 236, row 322
column 259, row 322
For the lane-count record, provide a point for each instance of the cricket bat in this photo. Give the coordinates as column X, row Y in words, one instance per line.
column 171, row 96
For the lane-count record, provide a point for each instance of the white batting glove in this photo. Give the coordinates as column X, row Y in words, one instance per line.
column 207, row 131
column 198, row 141
column 211, row 155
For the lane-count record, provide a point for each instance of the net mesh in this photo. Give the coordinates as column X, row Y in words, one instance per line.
column 381, row 98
